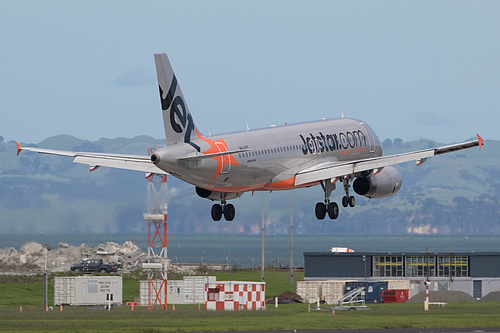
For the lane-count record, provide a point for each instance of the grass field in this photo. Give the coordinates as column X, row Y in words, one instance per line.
column 187, row 318
column 28, row 290
column 29, row 293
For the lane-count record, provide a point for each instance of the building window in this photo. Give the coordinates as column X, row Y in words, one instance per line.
column 420, row 266
column 388, row 266
column 455, row 266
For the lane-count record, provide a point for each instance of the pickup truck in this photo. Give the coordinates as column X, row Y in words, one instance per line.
column 94, row 265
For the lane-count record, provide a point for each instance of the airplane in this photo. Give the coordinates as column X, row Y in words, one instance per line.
column 326, row 152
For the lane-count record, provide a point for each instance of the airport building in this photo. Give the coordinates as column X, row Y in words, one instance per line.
column 476, row 274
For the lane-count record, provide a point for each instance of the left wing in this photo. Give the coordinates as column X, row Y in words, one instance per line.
column 331, row 170
column 95, row 160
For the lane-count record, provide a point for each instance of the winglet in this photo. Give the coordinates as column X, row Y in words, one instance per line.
column 19, row 148
column 480, row 140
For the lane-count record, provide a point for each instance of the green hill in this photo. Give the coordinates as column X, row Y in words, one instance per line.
column 456, row 193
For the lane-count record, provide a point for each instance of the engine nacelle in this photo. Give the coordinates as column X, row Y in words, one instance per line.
column 381, row 185
column 213, row 195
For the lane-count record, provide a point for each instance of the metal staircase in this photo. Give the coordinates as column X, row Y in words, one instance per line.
column 354, row 299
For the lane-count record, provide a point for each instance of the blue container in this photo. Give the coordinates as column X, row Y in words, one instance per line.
column 373, row 290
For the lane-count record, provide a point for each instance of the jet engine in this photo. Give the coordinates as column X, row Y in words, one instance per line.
column 213, row 195
column 381, row 185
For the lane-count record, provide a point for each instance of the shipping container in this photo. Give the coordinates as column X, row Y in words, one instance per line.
column 175, row 292
column 194, row 288
column 190, row 290
column 88, row 290
column 309, row 290
column 373, row 289
column 152, row 289
column 332, row 291
column 64, row 290
column 398, row 284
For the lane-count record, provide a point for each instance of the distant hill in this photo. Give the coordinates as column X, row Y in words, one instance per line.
column 456, row 194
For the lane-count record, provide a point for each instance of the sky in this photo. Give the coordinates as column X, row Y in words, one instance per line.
column 410, row 69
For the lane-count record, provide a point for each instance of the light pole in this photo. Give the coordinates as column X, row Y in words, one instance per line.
column 291, row 239
column 262, row 235
column 364, row 261
column 45, row 303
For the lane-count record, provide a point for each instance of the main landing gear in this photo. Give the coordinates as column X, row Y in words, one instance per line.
column 224, row 208
column 347, row 200
column 322, row 208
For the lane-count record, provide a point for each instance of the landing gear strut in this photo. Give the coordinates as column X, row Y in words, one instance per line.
column 327, row 207
column 331, row 207
column 347, row 200
column 224, row 208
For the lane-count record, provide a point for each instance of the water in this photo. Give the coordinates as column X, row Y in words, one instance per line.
column 245, row 251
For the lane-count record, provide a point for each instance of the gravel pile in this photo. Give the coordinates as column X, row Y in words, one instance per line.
column 494, row 296
column 285, row 298
column 442, row 296
column 30, row 259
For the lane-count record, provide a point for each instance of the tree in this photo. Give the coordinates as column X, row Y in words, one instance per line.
column 398, row 143
column 387, row 144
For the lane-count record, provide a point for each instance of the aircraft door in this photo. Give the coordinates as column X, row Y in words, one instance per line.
column 371, row 139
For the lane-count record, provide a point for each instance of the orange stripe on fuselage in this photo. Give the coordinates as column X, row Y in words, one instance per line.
column 287, row 184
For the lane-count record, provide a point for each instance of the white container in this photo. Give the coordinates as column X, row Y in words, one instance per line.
column 309, row 290
column 332, row 291
column 175, row 292
column 151, row 289
column 398, row 284
column 64, row 290
column 194, row 288
column 88, row 290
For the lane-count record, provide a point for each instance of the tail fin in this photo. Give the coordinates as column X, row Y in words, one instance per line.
column 179, row 125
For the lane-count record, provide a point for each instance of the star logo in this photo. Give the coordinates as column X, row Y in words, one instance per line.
column 216, row 147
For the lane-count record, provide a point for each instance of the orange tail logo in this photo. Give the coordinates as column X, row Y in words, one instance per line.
column 218, row 146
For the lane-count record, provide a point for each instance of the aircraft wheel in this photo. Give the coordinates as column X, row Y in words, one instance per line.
column 229, row 212
column 320, row 210
column 352, row 201
column 216, row 212
column 333, row 210
column 345, row 201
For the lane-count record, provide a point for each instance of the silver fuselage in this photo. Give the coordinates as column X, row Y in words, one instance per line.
column 270, row 157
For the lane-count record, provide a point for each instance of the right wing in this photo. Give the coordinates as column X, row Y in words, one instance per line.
column 95, row 160
column 332, row 170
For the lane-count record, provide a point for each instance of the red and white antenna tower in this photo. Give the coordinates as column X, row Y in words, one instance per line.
column 156, row 217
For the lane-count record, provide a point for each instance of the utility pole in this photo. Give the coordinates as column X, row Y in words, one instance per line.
column 45, row 303
column 262, row 235
column 291, row 241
